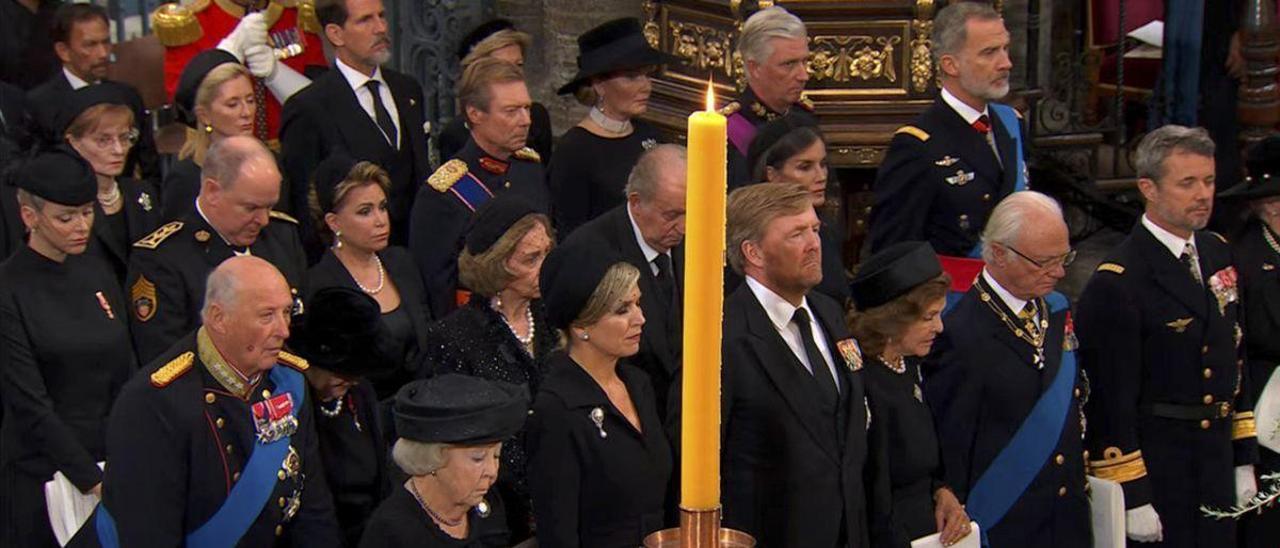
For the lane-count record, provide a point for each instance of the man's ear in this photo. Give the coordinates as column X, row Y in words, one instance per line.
column 752, row 254
column 334, row 34
column 1149, row 188
column 63, row 52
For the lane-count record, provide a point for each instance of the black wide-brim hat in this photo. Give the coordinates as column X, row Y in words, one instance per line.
column 571, row 273
column 342, row 332
column 460, row 409
column 480, row 33
column 74, row 103
column 893, row 272
column 616, row 45
column 1263, row 164
column 191, row 78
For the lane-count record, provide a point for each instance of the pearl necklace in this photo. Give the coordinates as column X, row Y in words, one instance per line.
column 526, row 341
column 413, row 490
column 337, row 408
column 111, row 197
column 898, row 366
column 609, row 124
column 382, row 279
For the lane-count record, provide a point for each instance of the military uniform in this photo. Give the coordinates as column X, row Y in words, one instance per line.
column 750, row 110
column 1171, row 414
column 940, row 180
column 178, row 442
column 191, row 27
column 168, row 270
column 444, row 207
column 984, row 378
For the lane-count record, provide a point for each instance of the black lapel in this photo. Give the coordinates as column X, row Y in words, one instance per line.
column 1169, row 273
column 103, row 234
column 1053, row 348
column 359, row 130
column 970, row 145
column 655, row 326
column 1008, row 154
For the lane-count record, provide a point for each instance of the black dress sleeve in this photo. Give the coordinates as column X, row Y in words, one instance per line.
column 555, row 472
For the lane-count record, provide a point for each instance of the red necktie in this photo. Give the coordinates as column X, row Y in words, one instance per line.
column 982, row 124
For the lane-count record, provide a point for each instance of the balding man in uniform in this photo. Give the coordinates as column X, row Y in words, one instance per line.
column 233, row 216
column 213, row 444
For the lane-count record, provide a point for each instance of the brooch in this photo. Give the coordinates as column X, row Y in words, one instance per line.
column 597, row 416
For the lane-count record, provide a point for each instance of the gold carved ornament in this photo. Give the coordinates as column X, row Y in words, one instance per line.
column 704, row 47
column 846, row 58
column 922, row 46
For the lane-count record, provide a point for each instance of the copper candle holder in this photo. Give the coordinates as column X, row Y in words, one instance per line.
column 699, row 529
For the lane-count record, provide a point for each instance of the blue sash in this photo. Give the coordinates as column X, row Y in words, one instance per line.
column 247, row 497
column 1037, row 437
column 471, row 191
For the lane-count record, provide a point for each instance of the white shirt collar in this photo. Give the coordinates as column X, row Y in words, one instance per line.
column 779, row 310
column 965, row 111
column 1015, row 304
column 1176, row 244
column 356, row 78
column 649, row 252
column 76, row 81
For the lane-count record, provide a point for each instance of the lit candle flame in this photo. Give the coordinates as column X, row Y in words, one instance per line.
column 711, row 97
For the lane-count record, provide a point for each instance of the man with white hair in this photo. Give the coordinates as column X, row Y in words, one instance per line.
column 774, row 45
column 945, row 172
column 214, row 444
column 1005, row 389
column 1171, row 418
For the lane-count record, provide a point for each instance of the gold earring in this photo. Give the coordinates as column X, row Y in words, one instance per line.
column 208, row 129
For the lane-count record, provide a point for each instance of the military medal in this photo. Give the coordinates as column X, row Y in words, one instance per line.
column 851, row 353
column 946, row 161
column 1223, row 286
column 106, row 306
column 961, row 178
column 292, row 465
column 273, row 418
column 597, row 416
column 1179, row 325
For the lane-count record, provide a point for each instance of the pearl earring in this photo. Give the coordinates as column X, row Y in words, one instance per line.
column 585, row 336
column 337, row 240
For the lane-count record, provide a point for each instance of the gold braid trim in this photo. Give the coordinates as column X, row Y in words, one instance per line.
column 172, row 370
column 1118, row 467
column 176, row 25
column 1243, row 426
column 307, row 18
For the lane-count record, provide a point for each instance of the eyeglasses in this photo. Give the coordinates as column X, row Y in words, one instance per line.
column 126, row 139
column 1063, row 260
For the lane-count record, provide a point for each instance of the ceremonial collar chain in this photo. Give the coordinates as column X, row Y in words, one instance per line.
column 1031, row 329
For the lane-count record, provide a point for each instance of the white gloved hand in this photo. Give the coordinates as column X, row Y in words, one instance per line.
column 285, row 82
column 261, row 60
column 1142, row 524
column 252, row 30
column 1246, row 484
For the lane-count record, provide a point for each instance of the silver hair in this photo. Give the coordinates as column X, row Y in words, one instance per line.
column 1011, row 215
column 418, row 458
column 1156, row 146
column 221, row 289
column 644, row 177
column 227, row 157
column 756, row 40
column 949, row 26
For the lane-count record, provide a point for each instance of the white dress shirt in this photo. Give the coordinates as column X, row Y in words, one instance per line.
column 970, row 116
column 1015, row 304
column 1175, row 243
column 649, row 252
column 76, row 81
column 780, row 312
column 358, row 80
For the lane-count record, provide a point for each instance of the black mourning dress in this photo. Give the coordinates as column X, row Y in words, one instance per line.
column 901, row 439
column 589, row 172
column 401, row 522
column 354, row 454
column 64, row 356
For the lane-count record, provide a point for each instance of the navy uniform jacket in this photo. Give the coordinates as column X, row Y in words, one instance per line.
column 981, row 383
column 758, row 114
column 1151, row 336
column 923, row 189
column 177, row 442
column 168, row 270
column 442, row 215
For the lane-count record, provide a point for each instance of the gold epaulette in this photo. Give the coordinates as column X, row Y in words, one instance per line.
column 172, row 370
column 448, row 174
column 152, row 241
column 1243, row 426
column 293, row 360
column 1110, row 267
column 176, row 24
column 282, row 216
column 914, row 132
column 731, row 108
column 1219, row 236
column 1117, row 466
column 528, row 154
column 307, row 18
column 806, row 104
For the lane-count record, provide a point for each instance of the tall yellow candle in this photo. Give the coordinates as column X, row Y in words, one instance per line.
column 703, row 309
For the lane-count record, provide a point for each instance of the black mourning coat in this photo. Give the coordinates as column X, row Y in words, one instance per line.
column 141, row 211
column 1149, row 334
column 914, row 198
column 325, row 119
column 353, row 451
column 400, row 522
column 981, row 384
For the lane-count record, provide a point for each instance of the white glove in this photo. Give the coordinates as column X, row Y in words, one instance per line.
column 1246, row 484
column 252, row 30
column 1142, row 524
column 261, row 60
column 285, row 81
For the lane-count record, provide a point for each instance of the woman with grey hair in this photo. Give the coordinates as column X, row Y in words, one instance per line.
column 599, row 459
column 451, row 428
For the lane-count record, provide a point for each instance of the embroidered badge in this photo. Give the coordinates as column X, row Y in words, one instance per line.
column 946, row 161
column 273, row 418
column 144, row 200
column 961, row 178
column 1179, row 325
column 851, row 353
column 1223, row 285
column 1069, row 341
column 143, row 297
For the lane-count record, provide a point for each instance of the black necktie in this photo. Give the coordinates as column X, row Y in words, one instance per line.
column 666, row 277
column 818, row 364
column 381, row 115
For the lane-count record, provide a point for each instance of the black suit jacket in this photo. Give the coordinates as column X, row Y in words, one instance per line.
column 981, row 384
column 141, row 210
column 786, row 478
column 14, row 142
column 46, row 99
column 326, row 119
column 660, row 344
column 914, row 200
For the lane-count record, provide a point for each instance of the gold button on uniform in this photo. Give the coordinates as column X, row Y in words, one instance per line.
column 220, row 422
column 1208, row 373
column 280, row 474
column 1086, row 454
column 279, row 530
column 235, row 476
column 229, row 448
column 209, row 398
column 281, row 502
column 1204, row 424
column 1208, row 399
column 266, row 394
column 1204, row 349
column 1062, row 491
column 1077, row 392
column 1059, row 459
column 986, row 197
